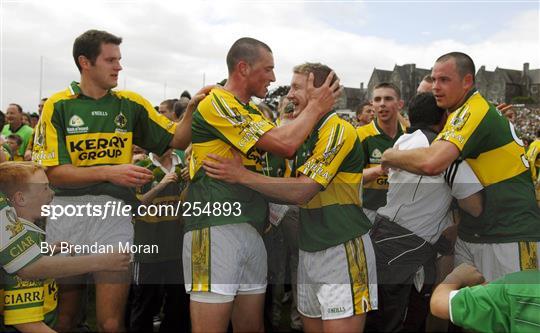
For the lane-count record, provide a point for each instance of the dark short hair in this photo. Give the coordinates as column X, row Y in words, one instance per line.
column 320, row 72
column 390, row 86
column 246, row 49
column 169, row 103
column 180, row 107
column 89, row 45
column 2, row 120
column 361, row 106
column 185, row 94
column 423, row 110
column 464, row 63
column 15, row 137
column 19, row 108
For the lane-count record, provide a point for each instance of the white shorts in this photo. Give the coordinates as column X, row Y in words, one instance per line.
column 338, row 282
column 494, row 260
column 90, row 230
column 223, row 261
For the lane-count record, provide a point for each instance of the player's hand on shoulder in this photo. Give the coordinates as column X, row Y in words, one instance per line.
column 199, row 96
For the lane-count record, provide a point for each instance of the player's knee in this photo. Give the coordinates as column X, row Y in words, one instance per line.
column 65, row 322
column 110, row 325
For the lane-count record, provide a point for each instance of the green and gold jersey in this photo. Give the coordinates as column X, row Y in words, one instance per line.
column 164, row 229
column 332, row 156
column 25, row 301
column 7, row 152
column 374, row 143
column 533, row 156
column 79, row 130
column 220, row 123
column 17, row 246
column 487, row 141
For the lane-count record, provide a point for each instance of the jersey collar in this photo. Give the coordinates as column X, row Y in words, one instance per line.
column 31, row 226
column 75, row 89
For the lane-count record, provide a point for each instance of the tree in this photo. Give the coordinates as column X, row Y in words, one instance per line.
column 273, row 97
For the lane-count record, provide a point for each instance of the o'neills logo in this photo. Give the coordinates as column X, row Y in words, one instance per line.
column 91, row 149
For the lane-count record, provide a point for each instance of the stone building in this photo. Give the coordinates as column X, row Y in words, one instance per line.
column 502, row 85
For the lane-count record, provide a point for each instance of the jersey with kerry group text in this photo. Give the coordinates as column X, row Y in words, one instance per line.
column 220, row 123
column 488, row 142
column 374, row 143
column 79, row 130
column 332, row 156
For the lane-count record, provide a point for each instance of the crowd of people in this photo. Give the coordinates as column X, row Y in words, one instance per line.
column 385, row 223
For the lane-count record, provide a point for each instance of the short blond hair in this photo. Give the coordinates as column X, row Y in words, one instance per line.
column 320, row 72
column 14, row 175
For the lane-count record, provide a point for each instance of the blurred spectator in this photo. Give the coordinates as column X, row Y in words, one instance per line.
column 526, row 121
column 267, row 111
column 26, row 119
column 34, row 118
column 180, row 107
column 2, row 119
column 40, row 105
column 166, row 108
column 14, row 142
column 185, row 94
column 15, row 125
column 364, row 114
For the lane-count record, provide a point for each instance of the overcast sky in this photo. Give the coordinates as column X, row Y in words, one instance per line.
column 170, row 46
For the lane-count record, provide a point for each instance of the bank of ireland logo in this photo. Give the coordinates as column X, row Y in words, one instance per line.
column 120, row 120
column 76, row 121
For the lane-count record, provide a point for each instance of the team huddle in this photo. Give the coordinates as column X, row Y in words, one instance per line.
column 385, row 210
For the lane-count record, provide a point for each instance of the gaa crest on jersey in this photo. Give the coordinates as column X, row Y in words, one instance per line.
column 76, row 121
column 120, row 121
column 461, row 118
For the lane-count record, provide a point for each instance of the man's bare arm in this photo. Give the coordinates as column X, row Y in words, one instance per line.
column 428, row 161
column 370, row 174
column 182, row 134
column 59, row 267
column 285, row 140
column 297, row 191
column 473, row 204
column 462, row 276
column 70, row 176
column 34, row 327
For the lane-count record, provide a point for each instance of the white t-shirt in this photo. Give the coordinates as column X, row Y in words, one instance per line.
column 421, row 203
